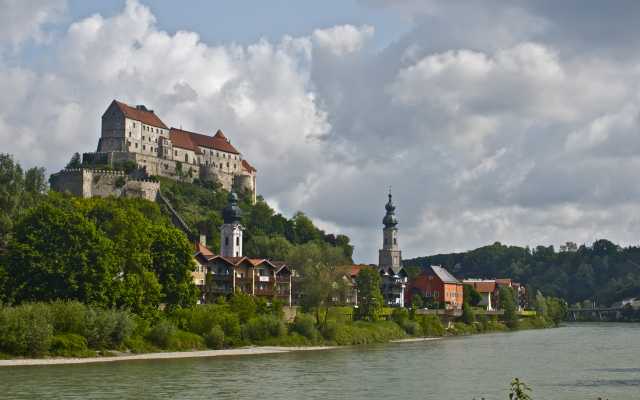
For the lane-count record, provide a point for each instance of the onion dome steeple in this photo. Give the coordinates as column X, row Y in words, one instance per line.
column 390, row 220
column 232, row 214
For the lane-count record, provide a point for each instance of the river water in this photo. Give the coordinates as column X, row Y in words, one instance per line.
column 575, row 361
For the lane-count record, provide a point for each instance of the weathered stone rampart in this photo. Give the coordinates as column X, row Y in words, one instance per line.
column 87, row 183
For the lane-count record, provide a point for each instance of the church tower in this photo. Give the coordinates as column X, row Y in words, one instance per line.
column 231, row 231
column 390, row 255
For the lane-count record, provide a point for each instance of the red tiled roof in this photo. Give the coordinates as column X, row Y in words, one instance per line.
column 218, row 142
column 247, row 167
column 235, row 260
column 181, row 139
column 482, row 287
column 146, row 117
column 355, row 269
column 200, row 248
column 503, row 281
column 219, row 135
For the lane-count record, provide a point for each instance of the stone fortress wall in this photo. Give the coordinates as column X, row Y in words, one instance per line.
column 87, row 183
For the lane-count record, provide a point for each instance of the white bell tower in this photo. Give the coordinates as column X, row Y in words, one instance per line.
column 231, row 231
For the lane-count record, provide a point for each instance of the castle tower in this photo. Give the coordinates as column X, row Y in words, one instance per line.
column 231, row 231
column 390, row 255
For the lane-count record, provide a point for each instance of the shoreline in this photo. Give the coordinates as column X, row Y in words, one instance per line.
column 160, row 356
column 120, row 356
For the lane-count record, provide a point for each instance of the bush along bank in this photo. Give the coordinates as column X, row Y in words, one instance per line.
column 72, row 329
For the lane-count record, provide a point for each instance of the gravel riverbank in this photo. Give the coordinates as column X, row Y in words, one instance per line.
column 155, row 356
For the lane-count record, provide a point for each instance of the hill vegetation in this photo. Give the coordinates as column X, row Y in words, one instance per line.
column 602, row 272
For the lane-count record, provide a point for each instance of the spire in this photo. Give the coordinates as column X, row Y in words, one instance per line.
column 232, row 214
column 390, row 219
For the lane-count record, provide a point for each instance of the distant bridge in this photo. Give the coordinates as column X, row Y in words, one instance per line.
column 598, row 311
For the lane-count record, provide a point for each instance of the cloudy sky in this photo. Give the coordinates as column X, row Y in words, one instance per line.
column 492, row 121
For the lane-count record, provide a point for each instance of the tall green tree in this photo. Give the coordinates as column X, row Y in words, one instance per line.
column 468, row 314
column 55, row 255
column 471, row 295
column 540, row 305
column 557, row 309
column 507, row 298
column 413, row 271
column 305, row 229
column 342, row 241
column 273, row 248
column 323, row 271
column 370, row 300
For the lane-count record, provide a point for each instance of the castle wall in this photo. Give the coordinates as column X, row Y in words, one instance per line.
column 77, row 181
column 103, row 184
column 145, row 188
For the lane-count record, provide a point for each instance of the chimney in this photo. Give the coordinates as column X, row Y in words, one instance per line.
column 141, row 107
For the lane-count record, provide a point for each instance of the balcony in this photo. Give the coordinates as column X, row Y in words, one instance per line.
column 266, row 278
column 283, row 279
column 264, row 292
column 283, row 293
column 243, row 280
column 220, row 278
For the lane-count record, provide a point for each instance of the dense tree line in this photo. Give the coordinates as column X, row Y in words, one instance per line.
column 268, row 234
column 602, row 272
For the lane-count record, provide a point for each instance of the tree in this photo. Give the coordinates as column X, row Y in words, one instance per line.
column 305, row 229
column 323, row 271
column 368, row 283
column 54, row 255
column 342, row 241
column 11, row 188
column 75, row 162
column 416, row 301
column 557, row 309
column 507, row 298
column 471, row 295
column 272, row 248
column 540, row 305
column 413, row 271
column 432, row 303
column 468, row 314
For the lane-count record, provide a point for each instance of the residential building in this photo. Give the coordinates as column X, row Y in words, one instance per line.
column 437, row 282
column 489, row 291
column 394, row 280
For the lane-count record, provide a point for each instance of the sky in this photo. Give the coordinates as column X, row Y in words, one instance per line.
column 509, row 121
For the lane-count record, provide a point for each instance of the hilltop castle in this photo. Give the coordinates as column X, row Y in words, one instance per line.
column 136, row 134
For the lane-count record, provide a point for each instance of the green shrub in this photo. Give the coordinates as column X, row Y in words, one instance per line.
column 468, row 316
column 107, row 329
column 484, row 321
column 460, row 328
column 399, row 315
column 186, row 340
column 215, row 338
column 330, row 330
column 68, row 317
column 25, row 329
column 305, row 326
column 262, row 327
column 431, row 326
column 67, row 344
column 96, row 179
column 162, row 334
column 411, row 327
column 121, row 181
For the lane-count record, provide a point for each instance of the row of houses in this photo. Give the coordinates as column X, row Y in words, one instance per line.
column 219, row 275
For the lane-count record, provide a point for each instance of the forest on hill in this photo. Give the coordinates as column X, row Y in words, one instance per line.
column 603, row 272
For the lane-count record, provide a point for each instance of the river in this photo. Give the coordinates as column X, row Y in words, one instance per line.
column 574, row 361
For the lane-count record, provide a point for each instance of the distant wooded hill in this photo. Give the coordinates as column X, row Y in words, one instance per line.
column 603, row 272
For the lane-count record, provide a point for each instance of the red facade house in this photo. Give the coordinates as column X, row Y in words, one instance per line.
column 436, row 282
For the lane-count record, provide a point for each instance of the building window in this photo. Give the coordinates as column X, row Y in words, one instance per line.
column 227, row 165
column 226, row 240
column 430, row 276
column 134, row 125
column 436, row 294
column 186, row 158
column 394, row 241
column 428, row 294
column 156, row 140
column 234, row 166
column 176, row 152
column 220, row 165
column 136, row 145
column 217, row 154
column 428, row 287
column 129, row 134
column 224, row 156
column 237, row 241
column 144, row 147
column 129, row 143
column 149, row 138
column 385, row 240
column 198, row 160
column 143, row 138
column 219, row 271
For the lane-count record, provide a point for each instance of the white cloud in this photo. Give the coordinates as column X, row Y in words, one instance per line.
column 23, row 20
column 342, row 39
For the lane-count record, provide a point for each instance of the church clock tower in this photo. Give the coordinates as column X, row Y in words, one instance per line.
column 390, row 255
column 231, row 231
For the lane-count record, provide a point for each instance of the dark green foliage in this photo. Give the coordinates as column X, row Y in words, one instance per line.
column 468, row 315
column 431, row 325
column 432, row 303
column 417, row 301
column 96, row 179
column 263, row 327
column 162, row 334
column 557, row 309
column 471, row 295
column 413, row 271
column 484, row 321
column 518, row 390
column 55, row 255
column 330, row 330
column 67, row 344
column 305, row 326
column 368, row 283
column 121, row 181
column 602, row 272
column 75, row 162
column 214, row 339
column 507, row 299
column 107, row 329
column 411, row 327
column 25, row 330
column 243, row 305
column 400, row 315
